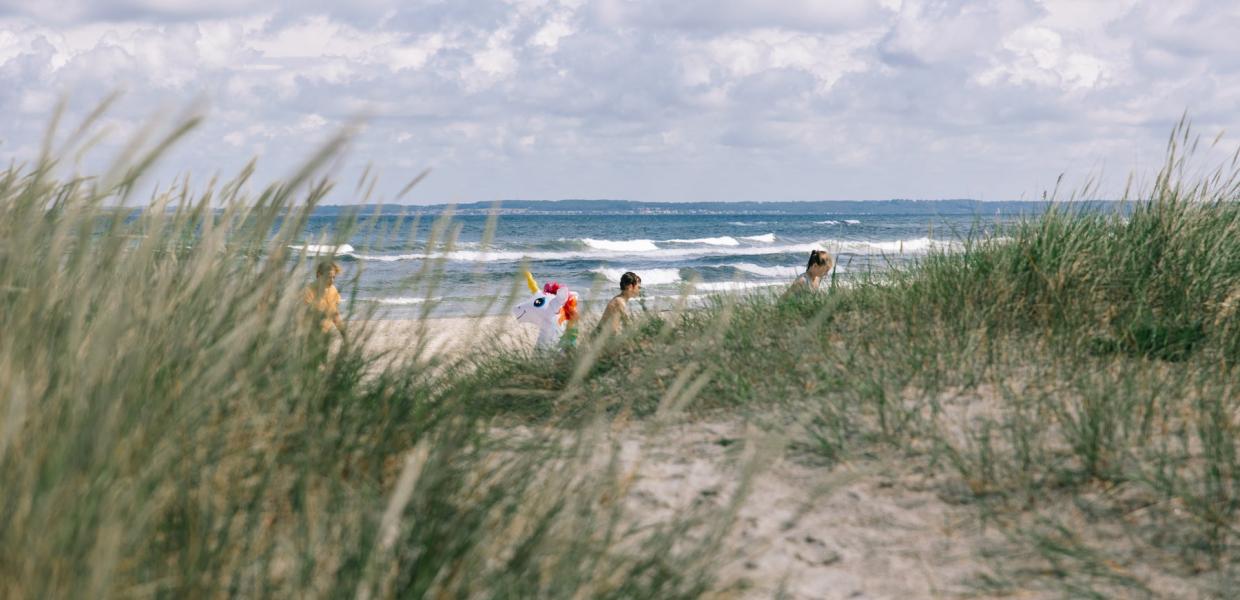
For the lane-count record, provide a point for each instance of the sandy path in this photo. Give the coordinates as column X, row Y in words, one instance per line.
column 868, row 529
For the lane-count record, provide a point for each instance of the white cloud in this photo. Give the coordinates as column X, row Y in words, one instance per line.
column 1037, row 55
column 550, row 34
column 400, row 56
column 655, row 99
column 740, row 14
column 735, row 56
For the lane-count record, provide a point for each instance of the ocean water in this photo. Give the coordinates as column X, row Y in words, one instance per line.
column 406, row 266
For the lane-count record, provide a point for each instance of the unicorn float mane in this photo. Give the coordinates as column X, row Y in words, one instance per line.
column 553, row 309
column 568, row 312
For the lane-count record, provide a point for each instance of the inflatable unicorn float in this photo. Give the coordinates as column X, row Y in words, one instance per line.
column 554, row 310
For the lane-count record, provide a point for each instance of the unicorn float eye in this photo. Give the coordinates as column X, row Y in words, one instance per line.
column 553, row 309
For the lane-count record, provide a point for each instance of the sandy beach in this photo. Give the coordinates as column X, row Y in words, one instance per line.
column 437, row 336
column 447, row 335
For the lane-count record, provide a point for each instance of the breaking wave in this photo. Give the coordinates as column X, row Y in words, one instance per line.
column 711, row 241
column 766, row 238
column 621, row 246
column 733, row 286
column 648, row 250
column 323, row 249
column 649, row 276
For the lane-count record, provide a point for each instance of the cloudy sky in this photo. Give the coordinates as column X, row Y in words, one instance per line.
column 643, row 99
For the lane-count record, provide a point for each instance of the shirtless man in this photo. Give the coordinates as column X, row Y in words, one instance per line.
column 617, row 312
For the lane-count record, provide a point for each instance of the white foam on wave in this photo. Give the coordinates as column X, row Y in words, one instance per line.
column 621, row 245
column 744, row 224
column 649, row 276
column 766, row 238
column 913, row 246
column 773, row 272
column 534, row 255
column 852, row 221
column 712, row 241
column 734, row 286
column 646, row 250
column 323, row 248
column 387, row 257
column 827, row 222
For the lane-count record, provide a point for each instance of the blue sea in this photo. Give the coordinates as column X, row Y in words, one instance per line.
column 404, row 265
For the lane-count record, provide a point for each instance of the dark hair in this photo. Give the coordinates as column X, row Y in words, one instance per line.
column 326, row 267
column 629, row 279
column 819, row 257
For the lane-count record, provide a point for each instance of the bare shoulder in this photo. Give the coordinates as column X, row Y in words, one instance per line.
column 614, row 307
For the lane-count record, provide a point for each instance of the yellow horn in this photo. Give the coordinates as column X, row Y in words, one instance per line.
column 529, row 280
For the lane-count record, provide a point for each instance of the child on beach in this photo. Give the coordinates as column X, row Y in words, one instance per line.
column 617, row 312
column 819, row 265
column 323, row 298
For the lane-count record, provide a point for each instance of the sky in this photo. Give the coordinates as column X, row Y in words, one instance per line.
column 657, row 100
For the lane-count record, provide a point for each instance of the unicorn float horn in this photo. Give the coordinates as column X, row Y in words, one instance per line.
column 553, row 309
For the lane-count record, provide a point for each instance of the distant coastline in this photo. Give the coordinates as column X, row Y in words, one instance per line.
column 634, row 207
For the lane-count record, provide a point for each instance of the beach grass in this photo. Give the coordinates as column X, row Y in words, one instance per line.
column 172, row 425
column 1073, row 377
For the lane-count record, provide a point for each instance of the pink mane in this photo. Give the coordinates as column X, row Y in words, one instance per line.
column 552, row 287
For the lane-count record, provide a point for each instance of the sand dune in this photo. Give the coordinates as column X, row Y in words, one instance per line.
column 869, row 529
column 875, row 528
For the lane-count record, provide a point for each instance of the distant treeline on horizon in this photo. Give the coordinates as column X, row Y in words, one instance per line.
column 634, row 207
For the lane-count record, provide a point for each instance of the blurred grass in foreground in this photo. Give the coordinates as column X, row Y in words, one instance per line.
column 171, row 426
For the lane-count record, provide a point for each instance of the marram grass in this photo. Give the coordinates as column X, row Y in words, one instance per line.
column 172, row 426
column 1074, row 377
column 169, row 427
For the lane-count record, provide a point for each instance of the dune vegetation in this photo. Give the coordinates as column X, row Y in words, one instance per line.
column 1073, row 378
column 172, row 426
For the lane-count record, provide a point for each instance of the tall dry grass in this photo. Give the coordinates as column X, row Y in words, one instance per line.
column 171, row 424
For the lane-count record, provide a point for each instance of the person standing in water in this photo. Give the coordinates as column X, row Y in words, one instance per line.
column 323, row 298
column 616, row 314
column 820, row 263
